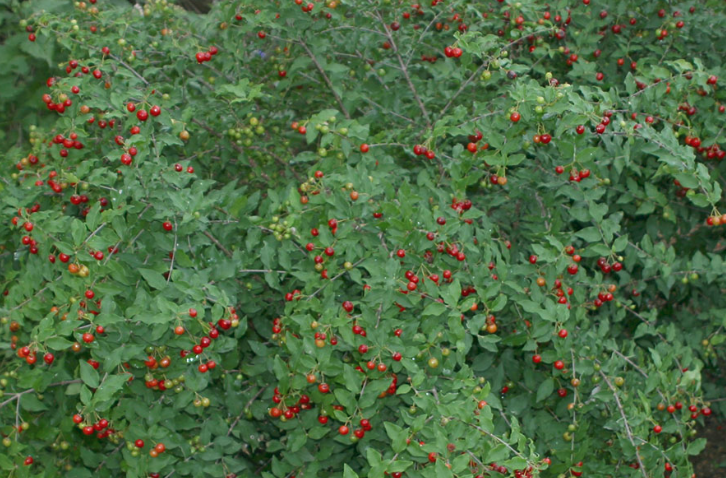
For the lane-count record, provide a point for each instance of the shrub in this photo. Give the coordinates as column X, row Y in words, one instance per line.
column 352, row 238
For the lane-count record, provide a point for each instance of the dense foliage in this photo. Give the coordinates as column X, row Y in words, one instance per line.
column 360, row 238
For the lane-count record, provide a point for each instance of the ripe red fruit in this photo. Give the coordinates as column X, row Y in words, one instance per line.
column 348, row 306
column 364, row 148
column 88, row 338
column 536, row 359
column 559, row 364
column 343, row 430
column 532, row 259
column 657, row 428
column 155, row 111
column 139, row 443
column 562, row 333
column 142, row 115
column 167, row 226
column 77, row 419
column 514, row 117
column 323, row 388
column 48, row 358
column 29, row 460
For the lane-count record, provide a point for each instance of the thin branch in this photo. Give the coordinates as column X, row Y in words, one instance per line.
column 173, row 253
column 218, row 244
column 331, row 280
column 126, row 65
column 325, row 77
column 249, row 402
column 17, row 396
column 260, row 271
column 94, row 232
column 625, row 422
column 496, row 438
column 404, row 70
column 34, row 295
column 640, row 370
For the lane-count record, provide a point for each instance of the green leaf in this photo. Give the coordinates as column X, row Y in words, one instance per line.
column 153, row 278
column 348, row 472
column 545, row 389
column 109, row 387
column 89, row 375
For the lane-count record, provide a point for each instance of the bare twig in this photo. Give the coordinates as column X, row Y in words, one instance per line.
column 496, row 438
column 218, row 244
column 173, row 254
column 334, row 278
column 126, row 65
column 249, row 402
column 34, row 295
column 404, row 70
column 16, row 396
column 343, row 109
column 260, row 271
column 625, row 422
